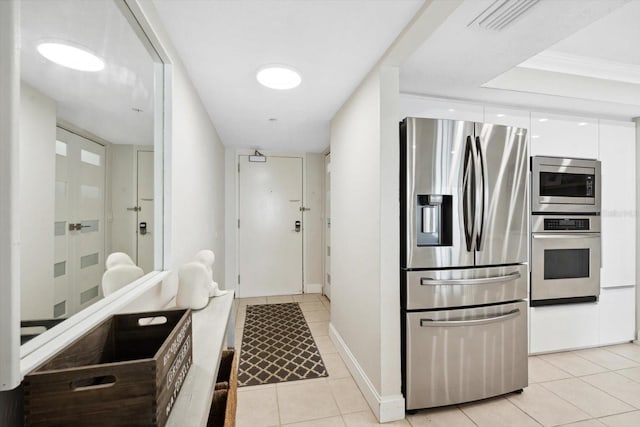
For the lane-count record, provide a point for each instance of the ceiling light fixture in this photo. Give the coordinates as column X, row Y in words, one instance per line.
column 500, row 115
column 583, row 124
column 70, row 56
column 279, row 77
column 542, row 120
column 451, row 110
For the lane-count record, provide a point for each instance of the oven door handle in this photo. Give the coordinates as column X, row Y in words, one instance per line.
column 427, row 281
column 471, row 322
column 566, row 236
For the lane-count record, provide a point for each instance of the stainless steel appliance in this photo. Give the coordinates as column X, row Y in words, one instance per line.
column 565, row 259
column 565, row 185
column 463, row 255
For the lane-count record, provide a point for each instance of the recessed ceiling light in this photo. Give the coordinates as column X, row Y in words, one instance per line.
column 500, row 115
column 451, row 110
column 278, row 77
column 70, row 56
column 535, row 136
column 542, row 120
column 583, row 124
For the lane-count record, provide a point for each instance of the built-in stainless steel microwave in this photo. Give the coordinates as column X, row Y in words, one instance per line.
column 565, row 185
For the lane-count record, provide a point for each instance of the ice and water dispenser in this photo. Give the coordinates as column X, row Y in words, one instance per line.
column 434, row 220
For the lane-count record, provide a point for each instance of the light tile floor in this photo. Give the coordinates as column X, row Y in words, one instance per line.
column 586, row 388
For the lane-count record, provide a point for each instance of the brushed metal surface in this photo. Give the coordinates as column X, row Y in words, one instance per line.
column 473, row 354
column 542, row 288
column 484, row 168
column 434, row 165
column 564, row 204
column 465, row 287
column 504, row 218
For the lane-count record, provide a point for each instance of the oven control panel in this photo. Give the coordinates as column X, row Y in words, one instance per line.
column 566, row 224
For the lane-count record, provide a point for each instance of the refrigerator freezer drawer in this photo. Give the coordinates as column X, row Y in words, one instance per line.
column 460, row 288
column 456, row 356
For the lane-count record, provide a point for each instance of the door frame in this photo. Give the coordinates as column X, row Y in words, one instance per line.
column 325, row 217
column 232, row 213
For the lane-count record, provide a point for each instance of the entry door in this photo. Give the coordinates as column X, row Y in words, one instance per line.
column 327, row 226
column 270, row 226
column 79, row 223
column 144, row 227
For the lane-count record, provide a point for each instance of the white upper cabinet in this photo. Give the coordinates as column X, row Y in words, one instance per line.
column 563, row 136
column 420, row 106
column 507, row 117
column 617, row 154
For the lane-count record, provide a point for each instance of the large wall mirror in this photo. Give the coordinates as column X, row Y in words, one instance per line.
column 90, row 154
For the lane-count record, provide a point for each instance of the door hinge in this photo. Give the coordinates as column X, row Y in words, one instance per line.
column 238, row 222
column 238, row 279
column 238, row 167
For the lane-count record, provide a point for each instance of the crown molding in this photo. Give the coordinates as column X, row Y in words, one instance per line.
column 598, row 68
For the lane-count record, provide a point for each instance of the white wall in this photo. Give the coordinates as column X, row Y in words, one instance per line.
column 364, row 240
column 37, row 201
column 195, row 171
column 9, row 208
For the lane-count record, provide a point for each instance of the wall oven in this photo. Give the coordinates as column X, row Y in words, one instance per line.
column 565, row 255
column 565, row 185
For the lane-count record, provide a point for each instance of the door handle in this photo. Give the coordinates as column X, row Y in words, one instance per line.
column 482, row 196
column 298, row 226
column 135, row 209
column 468, row 211
column 471, row 322
column 427, row 281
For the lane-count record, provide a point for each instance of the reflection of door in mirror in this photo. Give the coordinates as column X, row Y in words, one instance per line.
column 78, row 207
column 79, row 223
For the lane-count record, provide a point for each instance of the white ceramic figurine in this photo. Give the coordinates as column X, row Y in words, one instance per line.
column 121, row 271
column 207, row 258
column 193, row 286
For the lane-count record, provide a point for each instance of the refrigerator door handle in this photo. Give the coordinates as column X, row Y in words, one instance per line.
column 468, row 182
column 481, row 202
column 471, row 322
column 427, row 281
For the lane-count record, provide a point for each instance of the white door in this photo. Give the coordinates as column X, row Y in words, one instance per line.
column 144, row 227
column 270, row 223
column 79, row 223
column 327, row 226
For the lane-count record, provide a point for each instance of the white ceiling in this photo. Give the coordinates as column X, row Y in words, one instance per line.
column 100, row 102
column 332, row 43
column 463, row 62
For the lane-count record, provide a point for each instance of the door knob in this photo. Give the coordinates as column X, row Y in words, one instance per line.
column 298, row 226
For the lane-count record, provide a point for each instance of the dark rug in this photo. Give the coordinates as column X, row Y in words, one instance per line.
column 277, row 346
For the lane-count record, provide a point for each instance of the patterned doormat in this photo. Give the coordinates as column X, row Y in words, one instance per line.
column 277, row 346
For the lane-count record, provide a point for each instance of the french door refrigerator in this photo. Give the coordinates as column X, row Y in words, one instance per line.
column 463, row 260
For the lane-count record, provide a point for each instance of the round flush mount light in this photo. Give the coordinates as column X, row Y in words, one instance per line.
column 279, row 77
column 70, row 56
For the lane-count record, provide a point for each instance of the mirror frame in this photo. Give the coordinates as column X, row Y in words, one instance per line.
column 17, row 360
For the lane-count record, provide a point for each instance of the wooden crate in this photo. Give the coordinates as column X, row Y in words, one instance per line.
column 223, row 407
column 127, row 371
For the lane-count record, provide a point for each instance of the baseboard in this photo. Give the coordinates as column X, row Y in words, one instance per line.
column 387, row 408
column 313, row 288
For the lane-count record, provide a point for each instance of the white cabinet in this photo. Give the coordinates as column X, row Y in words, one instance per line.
column 563, row 327
column 420, row 106
column 507, row 117
column 617, row 315
column 563, row 136
column 617, row 153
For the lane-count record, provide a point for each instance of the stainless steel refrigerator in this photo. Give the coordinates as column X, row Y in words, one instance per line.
column 463, row 260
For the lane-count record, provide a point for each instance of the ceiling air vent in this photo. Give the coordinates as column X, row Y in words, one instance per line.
column 501, row 13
